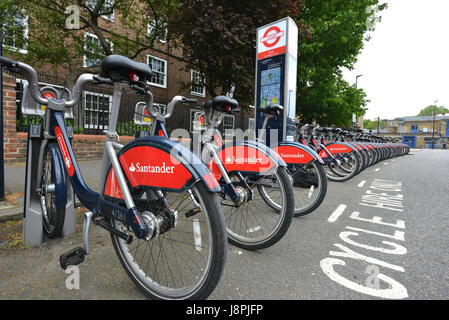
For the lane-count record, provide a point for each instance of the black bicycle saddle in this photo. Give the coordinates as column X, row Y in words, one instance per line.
column 122, row 69
column 272, row 109
column 222, row 104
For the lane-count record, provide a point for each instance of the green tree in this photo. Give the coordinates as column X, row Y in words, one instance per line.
column 338, row 29
column 372, row 124
column 218, row 38
column 51, row 42
column 428, row 111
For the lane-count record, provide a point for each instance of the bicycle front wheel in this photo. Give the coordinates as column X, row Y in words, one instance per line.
column 185, row 262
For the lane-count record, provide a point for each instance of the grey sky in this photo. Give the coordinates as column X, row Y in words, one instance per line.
column 405, row 66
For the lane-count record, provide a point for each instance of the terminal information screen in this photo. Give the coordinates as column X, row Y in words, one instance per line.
column 270, row 87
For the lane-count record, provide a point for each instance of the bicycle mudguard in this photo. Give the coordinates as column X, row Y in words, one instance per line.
column 58, row 174
column 296, row 153
column 337, row 148
column 160, row 163
column 246, row 156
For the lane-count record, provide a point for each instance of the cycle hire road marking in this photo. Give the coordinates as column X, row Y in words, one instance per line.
column 385, row 196
column 337, row 213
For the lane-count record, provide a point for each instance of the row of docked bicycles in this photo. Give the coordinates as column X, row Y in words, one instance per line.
column 170, row 210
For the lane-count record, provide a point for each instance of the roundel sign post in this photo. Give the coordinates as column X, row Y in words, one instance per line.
column 276, row 74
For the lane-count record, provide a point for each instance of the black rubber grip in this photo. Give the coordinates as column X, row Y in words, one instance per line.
column 8, row 62
column 100, row 80
column 190, row 100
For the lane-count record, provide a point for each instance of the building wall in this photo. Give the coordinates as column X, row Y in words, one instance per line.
column 418, row 131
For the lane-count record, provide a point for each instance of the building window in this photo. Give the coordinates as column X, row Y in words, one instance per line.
column 151, row 29
column 97, row 107
column 161, row 108
column 107, row 6
column 197, row 84
column 228, row 122
column 159, row 67
column 414, row 128
column 94, row 53
column 16, row 34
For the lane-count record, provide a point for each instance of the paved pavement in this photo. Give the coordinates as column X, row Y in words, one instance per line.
column 382, row 235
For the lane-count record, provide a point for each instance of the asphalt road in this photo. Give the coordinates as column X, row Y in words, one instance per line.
column 382, row 235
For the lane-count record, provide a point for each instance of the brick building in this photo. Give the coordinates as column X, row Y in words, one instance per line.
column 417, row 132
column 90, row 116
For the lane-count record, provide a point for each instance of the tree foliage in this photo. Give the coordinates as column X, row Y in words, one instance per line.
column 372, row 124
column 338, row 29
column 219, row 39
column 52, row 42
column 429, row 111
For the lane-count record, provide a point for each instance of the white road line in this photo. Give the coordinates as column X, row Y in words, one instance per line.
column 337, row 213
column 385, row 164
column 361, row 184
column 378, row 169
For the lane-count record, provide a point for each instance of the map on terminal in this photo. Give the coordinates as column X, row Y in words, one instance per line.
column 270, row 76
column 270, row 87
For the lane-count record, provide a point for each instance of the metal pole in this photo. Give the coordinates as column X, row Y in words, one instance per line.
column 433, row 125
column 378, row 125
column 2, row 168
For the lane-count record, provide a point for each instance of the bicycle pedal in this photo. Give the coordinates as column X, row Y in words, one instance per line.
column 72, row 257
column 192, row 212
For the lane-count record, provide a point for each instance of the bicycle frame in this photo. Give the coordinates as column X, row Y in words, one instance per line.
column 55, row 130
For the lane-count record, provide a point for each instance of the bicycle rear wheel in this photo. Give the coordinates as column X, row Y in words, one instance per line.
column 185, row 262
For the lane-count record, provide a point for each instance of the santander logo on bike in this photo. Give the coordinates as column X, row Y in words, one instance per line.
column 243, row 160
column 151, row 169
column 289, row 155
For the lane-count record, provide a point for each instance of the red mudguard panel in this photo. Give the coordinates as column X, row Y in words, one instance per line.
column 243, row 159
column 148, row 166
column 293, row 155
column 335, row 149
column 339, row 148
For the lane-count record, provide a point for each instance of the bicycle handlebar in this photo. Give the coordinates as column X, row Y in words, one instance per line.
column 31, row 76
column 170, row 107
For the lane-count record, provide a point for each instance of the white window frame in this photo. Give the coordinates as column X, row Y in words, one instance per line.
column 165, row 71
column 91, row 126
column 88, row 34
column 162, row 108
column 228, row 116
column 192, row 92
column 151, row 25
column 111, row 17
column 25, row 35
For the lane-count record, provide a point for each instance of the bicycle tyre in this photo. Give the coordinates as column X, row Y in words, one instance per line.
column 322, row 179
column 52, row 216
column 216, row 251
column 284, row 215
